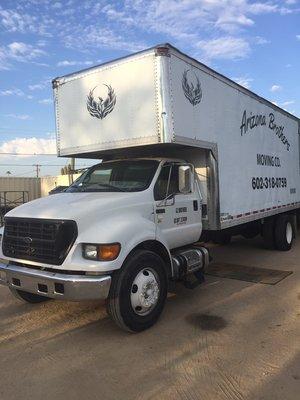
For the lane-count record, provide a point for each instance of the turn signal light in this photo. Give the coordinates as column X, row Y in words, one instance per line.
column 108, row 252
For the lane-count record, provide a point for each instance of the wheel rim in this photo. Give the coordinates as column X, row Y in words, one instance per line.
column 145, row 291
column 289, row 232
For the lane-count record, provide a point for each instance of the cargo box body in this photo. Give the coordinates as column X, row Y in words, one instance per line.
column 161, row 101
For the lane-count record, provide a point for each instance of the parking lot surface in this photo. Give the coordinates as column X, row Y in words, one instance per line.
column 226, row 339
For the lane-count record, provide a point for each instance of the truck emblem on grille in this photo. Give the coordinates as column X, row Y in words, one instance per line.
column 27, row 239
column 100, row 108
column 192, row 92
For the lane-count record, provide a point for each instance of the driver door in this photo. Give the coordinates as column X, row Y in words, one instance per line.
column 177, row 215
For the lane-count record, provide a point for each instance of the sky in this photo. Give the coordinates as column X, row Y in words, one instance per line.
column 257, row 44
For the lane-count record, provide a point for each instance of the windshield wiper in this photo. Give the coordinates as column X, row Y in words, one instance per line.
column 106, row 185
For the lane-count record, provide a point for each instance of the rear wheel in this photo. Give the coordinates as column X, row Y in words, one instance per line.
column 138, row 291
column 28, row 297
column 284, row 232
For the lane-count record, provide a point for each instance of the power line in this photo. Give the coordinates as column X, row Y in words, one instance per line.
column 25, row 173
column 41, row 165
column 28, row 154
column 27, row 130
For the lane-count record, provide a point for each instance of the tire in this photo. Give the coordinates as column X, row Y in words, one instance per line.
column 268, row 233
column 126, row 304
column 28, row 297
column 251, row 232
column 284, row 232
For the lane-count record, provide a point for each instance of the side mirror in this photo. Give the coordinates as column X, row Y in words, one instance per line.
column 185, row 183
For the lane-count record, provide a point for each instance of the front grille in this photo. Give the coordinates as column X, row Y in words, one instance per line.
column 45, row 241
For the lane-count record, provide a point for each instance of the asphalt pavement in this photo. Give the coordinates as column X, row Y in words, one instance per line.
column 226, row 339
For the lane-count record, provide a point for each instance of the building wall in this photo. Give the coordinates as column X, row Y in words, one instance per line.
column 15, row 186
column 34, row 187
column 48, row 183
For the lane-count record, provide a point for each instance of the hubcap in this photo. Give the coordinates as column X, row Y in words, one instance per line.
column 289, row 232
column 144, row 291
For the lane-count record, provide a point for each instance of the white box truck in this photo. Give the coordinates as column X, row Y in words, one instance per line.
column 186, row 153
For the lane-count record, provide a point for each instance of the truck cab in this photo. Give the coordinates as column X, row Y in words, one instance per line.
column 121, row 232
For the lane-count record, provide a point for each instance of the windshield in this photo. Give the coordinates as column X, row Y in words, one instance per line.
column 116, row 176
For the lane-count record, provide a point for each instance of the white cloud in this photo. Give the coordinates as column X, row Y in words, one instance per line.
column 37, row 86
column 298, row 37
column 12, row 92
column 32, row 145
column 261, row 40
column 41, row 43
column 4, row 64
column 20, row 52
column 230, row 21
column 275, row 88
column 287, row 103
column 46, row 101
column 40, row 85
column 57, row 5
column 40, row 64
column 225, row 48
column 121, row 25
column 22, row 22
column 179, row 18
column 192, row 22
column 94, row 36
column 67, row 63
column 22, row 117
column 12, row 21
column 243, row 81
column 23, row 52
column 262, row 8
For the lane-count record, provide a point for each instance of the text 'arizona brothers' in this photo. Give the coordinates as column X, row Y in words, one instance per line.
column 251, row 121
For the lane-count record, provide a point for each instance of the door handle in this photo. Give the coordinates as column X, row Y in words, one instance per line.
column 195, row 205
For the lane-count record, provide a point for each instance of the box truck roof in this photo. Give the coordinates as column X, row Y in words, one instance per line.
column 154, row 97
column 161, row 49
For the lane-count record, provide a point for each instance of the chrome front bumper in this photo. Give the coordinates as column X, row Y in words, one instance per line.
column 54, row 284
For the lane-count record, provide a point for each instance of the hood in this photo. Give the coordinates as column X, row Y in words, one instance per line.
column 74, row 206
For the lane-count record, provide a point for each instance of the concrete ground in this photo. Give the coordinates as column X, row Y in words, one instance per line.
column 227, row 339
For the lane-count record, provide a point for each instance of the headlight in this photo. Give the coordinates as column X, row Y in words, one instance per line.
column 90, row 251
column 101, row 252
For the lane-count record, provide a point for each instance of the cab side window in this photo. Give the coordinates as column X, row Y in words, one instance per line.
column 168, row 175
column 173, row 187
column 161, row 186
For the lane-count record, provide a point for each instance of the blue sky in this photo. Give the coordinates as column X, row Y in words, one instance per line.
column 255, row 43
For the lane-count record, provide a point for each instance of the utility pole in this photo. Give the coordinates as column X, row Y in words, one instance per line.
column 37, row 169
column 72, row 168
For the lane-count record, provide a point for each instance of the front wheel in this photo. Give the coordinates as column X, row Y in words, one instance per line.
column 138, row 291
column 28, row 297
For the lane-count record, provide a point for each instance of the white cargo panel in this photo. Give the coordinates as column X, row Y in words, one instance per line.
column 257, row 143
column 109, row 106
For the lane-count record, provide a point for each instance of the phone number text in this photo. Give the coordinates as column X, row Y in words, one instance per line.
column 268, row 183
